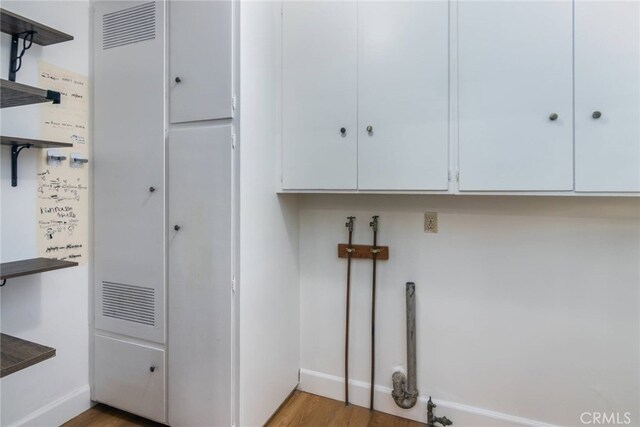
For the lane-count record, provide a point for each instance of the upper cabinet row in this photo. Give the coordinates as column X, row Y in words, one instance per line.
column 534, row 96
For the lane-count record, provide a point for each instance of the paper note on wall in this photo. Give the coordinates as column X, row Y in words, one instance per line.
column 62, row 206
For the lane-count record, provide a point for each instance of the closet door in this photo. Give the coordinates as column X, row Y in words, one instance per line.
column 319, row 117
column 607, row 70
column 403, row 90
column 199, row 60
column 515, row 95
column 200, row 267
column 129, row 153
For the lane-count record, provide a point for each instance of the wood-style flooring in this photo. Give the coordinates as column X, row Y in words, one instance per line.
column 308, row 410
column 299, row 410
column 106, row 416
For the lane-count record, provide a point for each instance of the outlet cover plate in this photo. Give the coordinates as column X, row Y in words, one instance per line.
column 431, row 222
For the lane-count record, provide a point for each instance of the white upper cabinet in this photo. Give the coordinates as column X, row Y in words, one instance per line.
column 607, row 85
column 200, row 60
column 403, row 90
column 515, row 95
column 319, row 116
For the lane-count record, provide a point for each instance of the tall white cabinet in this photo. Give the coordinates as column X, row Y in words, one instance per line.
column 129, row 237
column 607, row 95
column 200, row 275
column 163, row 210
column 365, row 95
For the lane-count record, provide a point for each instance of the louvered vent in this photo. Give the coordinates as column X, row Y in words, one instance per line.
column 128, row 26
column 128, row 302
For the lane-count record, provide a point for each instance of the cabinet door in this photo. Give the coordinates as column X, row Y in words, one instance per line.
column 130, row 377
column 129, row 154
column 319, row 40
column 403, row 89
column 200, row 269
column 607, row 70
column 515, row 95
column 199, row 60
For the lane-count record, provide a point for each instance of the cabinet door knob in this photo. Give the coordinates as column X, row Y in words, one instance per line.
column 152, row 189
column 176, row 227
column 178, row 79
column 343, row 131
column 596, row 114
column 553, row 117
column 369, row 128
column 152, row 368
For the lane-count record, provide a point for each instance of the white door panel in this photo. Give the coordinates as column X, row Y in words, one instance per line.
column 515, row 71
column 607, row 73
column 130, row 377
column 129, row 154
column 200, row 268
column 403, row 90
column 319, row 95
column 200, row 57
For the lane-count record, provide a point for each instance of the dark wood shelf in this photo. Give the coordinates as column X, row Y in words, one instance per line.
column 17, row 354
column 13, row 24
column 35, row 143
column 14, row 94
column 9, row 270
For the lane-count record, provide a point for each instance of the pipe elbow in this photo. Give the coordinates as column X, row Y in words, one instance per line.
column 407, row 402
column 404, row 398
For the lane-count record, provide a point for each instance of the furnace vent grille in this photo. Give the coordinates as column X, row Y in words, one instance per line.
column 128, row 26
column 128, row 302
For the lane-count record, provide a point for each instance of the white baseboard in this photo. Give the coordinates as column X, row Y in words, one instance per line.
column 332, row 387
column 59, row 411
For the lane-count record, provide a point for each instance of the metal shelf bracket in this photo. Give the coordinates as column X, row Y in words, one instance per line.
column 15, row 151
column 16, row 59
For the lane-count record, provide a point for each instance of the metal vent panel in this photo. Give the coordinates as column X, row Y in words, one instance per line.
column 127, row 26
column 129, row 302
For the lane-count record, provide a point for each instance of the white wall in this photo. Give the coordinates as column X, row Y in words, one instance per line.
column 527, row 306
column 268, row 282
column 51, row 308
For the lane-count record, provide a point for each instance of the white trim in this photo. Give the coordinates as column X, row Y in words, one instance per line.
column 59, row 411
column 462, row 415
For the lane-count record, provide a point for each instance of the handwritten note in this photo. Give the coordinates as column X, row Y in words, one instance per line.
column 62, row 188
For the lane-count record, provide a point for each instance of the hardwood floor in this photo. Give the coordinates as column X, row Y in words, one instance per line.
column 106, row 416
column 300, row 410
column 308, row 410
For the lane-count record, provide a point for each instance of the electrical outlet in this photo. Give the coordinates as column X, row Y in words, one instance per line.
column 431, row 222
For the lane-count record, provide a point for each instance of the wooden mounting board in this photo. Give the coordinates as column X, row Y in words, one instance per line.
column 363, row 252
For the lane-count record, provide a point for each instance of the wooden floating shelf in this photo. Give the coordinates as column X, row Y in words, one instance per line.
column 13, row 24
column 9, row 270
column 363, row 252
column 34, row 143
column 14, row 94
column 17, row 354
